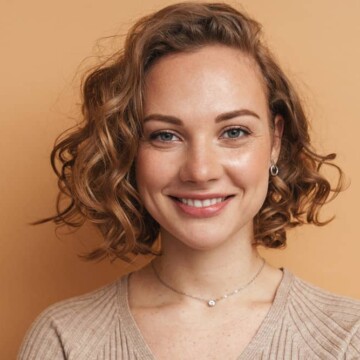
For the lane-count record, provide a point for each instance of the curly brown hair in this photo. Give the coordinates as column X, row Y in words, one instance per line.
column 95, row 161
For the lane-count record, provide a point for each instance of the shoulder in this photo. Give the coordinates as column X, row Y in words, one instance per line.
column 72, row 324
column 339, row 309
column 323, row 319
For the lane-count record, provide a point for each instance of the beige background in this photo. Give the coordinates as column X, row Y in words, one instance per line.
column 43, row 44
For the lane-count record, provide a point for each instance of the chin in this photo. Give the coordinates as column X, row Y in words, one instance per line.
column 202, row 241
column 203, row 245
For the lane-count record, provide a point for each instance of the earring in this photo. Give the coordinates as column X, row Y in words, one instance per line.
column 274, row 170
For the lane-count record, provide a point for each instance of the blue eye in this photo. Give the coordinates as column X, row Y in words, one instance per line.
column 234, row 133
column 164, row 136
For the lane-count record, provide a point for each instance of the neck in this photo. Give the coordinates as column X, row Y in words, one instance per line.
column 208, row 273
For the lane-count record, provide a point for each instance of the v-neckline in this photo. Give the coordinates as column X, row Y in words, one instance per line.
column 255, row 345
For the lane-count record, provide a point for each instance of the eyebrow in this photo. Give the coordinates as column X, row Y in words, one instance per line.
column 222, row 117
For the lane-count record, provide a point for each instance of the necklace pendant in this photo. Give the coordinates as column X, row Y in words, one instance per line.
column 211, row 303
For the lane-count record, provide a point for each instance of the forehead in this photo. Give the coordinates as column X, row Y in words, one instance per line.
column 213, row 79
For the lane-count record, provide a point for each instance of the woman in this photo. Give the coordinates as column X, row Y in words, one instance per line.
column 193, row 133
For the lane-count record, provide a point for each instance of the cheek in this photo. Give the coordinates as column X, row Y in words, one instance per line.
column 144, row 175
column 250, row 167
column 152, row 170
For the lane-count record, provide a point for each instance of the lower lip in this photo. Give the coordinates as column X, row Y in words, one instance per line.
column 202, row 212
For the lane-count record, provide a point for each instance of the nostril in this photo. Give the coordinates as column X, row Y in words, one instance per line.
column 200, row 170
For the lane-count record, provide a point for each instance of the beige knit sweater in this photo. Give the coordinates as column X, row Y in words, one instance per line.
column 304, row 322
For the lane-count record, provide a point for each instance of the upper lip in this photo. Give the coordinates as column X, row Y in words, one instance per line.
column 200, row 196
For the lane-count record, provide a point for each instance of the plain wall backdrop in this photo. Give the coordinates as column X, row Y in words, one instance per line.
column 43, row 45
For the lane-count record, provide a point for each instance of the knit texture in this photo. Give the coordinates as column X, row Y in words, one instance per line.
column 304, row 322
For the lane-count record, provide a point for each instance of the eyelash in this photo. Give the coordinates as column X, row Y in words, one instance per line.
column 156, row 135
column 244, row 131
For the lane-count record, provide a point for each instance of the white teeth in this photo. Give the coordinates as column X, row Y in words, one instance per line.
column 207, row 202
column 201, row 203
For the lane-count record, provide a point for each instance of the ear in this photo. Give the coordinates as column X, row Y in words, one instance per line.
column 277, row 136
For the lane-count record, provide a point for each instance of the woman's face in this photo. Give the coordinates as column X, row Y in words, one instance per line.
column 203, row 164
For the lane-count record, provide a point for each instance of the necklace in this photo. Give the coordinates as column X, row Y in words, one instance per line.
column 209, row 302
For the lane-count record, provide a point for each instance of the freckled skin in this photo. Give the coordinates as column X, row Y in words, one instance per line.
column 205, row 256
column 200, row 157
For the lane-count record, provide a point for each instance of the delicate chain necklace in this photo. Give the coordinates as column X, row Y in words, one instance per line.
column 209, row 302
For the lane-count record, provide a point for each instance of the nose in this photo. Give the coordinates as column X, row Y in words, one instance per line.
column 202, row 163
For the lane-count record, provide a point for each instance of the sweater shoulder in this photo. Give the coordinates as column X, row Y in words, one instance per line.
column 340, row 309
column 324, row 322
column 83, row 306
column 71, row 325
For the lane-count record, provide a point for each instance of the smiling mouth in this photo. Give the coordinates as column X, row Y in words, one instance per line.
column 201, row 203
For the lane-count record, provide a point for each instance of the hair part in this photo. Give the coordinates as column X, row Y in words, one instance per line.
column 95, row 161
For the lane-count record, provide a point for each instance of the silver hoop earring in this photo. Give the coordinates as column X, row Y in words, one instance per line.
column 274, row 170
